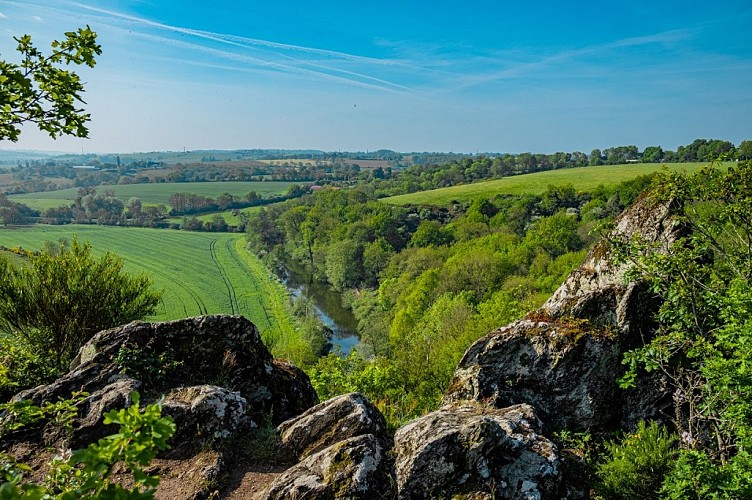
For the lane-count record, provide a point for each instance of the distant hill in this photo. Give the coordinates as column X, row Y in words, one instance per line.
column 582, row 178
column 13, row 156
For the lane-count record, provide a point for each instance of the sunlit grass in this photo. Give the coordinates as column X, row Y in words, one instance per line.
column 154, row 193
column 582, row 178
column 200, row 273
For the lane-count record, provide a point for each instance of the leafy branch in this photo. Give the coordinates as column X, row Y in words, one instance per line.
column 40, row 91
column 86, row 473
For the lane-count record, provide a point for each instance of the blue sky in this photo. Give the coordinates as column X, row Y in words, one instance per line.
column 467, row 76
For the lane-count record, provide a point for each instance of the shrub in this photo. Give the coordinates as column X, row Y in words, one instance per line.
column 63, row 296
column 636, row 466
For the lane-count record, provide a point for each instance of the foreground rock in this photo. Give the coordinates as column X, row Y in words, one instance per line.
column 215, row 377
column 206, row 413
column 355, row 468
column 476, row 451
column 340, row 447
column 216, row 350
column 328, row 423
column 564, row 360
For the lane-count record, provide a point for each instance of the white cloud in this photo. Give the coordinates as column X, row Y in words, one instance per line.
column 3, row 16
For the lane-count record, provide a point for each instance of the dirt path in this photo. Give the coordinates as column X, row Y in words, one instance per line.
column 249, row 483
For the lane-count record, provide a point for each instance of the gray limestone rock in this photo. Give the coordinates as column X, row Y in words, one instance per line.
column 356, row 468
column 205, row 413
column 327, row 423
column 476, row 451
column 597, row 290
column 206, row 351
column 564, row 359
column 218, row 350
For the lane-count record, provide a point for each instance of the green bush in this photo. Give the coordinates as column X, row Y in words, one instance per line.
column 378, row 379
column 59, row 299
column 20, row 367
column 696, row 476
column 636, row 466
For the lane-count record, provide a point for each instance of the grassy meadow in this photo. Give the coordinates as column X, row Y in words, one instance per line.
column 154, row 194
column 200, row 273
column 582, row 178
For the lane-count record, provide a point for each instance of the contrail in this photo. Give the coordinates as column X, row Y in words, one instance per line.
column 245, row 42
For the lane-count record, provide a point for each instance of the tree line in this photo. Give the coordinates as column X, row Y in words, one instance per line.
column 425, row 176
column 105, row 208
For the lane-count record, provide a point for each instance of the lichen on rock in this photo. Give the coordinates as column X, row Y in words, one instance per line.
column 327, row 423
column 356, row 468
column 471, row 449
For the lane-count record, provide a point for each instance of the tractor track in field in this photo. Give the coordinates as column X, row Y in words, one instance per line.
column 247, row 295
column 243, row 265
column 155, row 270
column 223, row 274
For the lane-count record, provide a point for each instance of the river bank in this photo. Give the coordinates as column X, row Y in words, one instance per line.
column 327, row 304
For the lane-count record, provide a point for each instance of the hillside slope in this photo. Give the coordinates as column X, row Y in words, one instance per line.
column 582, row 178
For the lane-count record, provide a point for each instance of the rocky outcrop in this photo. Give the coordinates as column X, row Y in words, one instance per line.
column 328, row 423
column 478, row 452
column 356, row 468
column 564, row 359
column 597, row 290
column 217, row 350
column 564, row 368
column 566, row 373
column 213, row 375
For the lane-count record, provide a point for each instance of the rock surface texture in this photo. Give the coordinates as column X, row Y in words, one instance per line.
column 328, row 423
column 206, row 413
column 477, row 451
column 355, row 468
column 567, row 375
column 217, row 350
column 340, row 447
column 596, row 291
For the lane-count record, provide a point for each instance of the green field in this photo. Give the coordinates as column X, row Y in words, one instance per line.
column 583, row 179
column 200, row 273
column 154, row 194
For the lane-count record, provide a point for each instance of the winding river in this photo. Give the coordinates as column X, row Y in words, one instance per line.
column 328, row 306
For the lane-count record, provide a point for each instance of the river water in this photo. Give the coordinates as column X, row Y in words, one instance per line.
column 328, row 306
